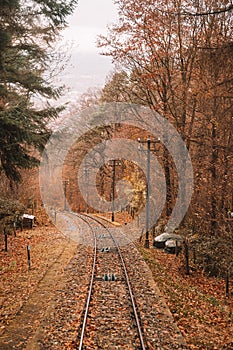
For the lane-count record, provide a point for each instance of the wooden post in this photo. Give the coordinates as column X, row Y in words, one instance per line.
column 227, row 284
column 14, row 228
column 186, row 254
column 29, row 256
column 176, row 249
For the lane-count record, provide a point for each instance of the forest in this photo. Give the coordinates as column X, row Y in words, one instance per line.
column 174, row 58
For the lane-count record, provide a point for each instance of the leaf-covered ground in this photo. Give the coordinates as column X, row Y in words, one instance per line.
column 197, row 302
column 17, row 282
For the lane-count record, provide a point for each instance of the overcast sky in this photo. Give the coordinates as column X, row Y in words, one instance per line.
column 87, row 68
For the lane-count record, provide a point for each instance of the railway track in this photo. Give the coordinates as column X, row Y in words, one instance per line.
column 102, row 315
column 105, row 319
column 111, row 319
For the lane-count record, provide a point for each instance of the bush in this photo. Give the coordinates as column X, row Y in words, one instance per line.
column 214, row 254
column 9, row 210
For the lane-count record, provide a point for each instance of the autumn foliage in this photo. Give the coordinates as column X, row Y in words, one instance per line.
column 176, row 58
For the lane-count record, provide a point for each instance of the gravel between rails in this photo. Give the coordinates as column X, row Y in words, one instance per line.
column 110, row 324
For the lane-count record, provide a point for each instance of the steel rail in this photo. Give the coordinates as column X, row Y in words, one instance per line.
column 91, row 282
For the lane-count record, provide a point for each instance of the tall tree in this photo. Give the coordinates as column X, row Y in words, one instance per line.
column 27, row 32
column 159, row 49
column 170, row 51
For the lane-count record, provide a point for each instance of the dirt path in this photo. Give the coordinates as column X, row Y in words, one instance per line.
column 23, row 328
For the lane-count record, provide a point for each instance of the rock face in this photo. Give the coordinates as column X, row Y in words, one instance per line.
column 168, row 242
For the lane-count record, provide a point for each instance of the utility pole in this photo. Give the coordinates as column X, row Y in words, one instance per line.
column 114, row 164
column 65, row 182
column 148, row 142
column 87, row 180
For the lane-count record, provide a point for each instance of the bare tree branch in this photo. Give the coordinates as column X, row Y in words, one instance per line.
column 214, row 12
